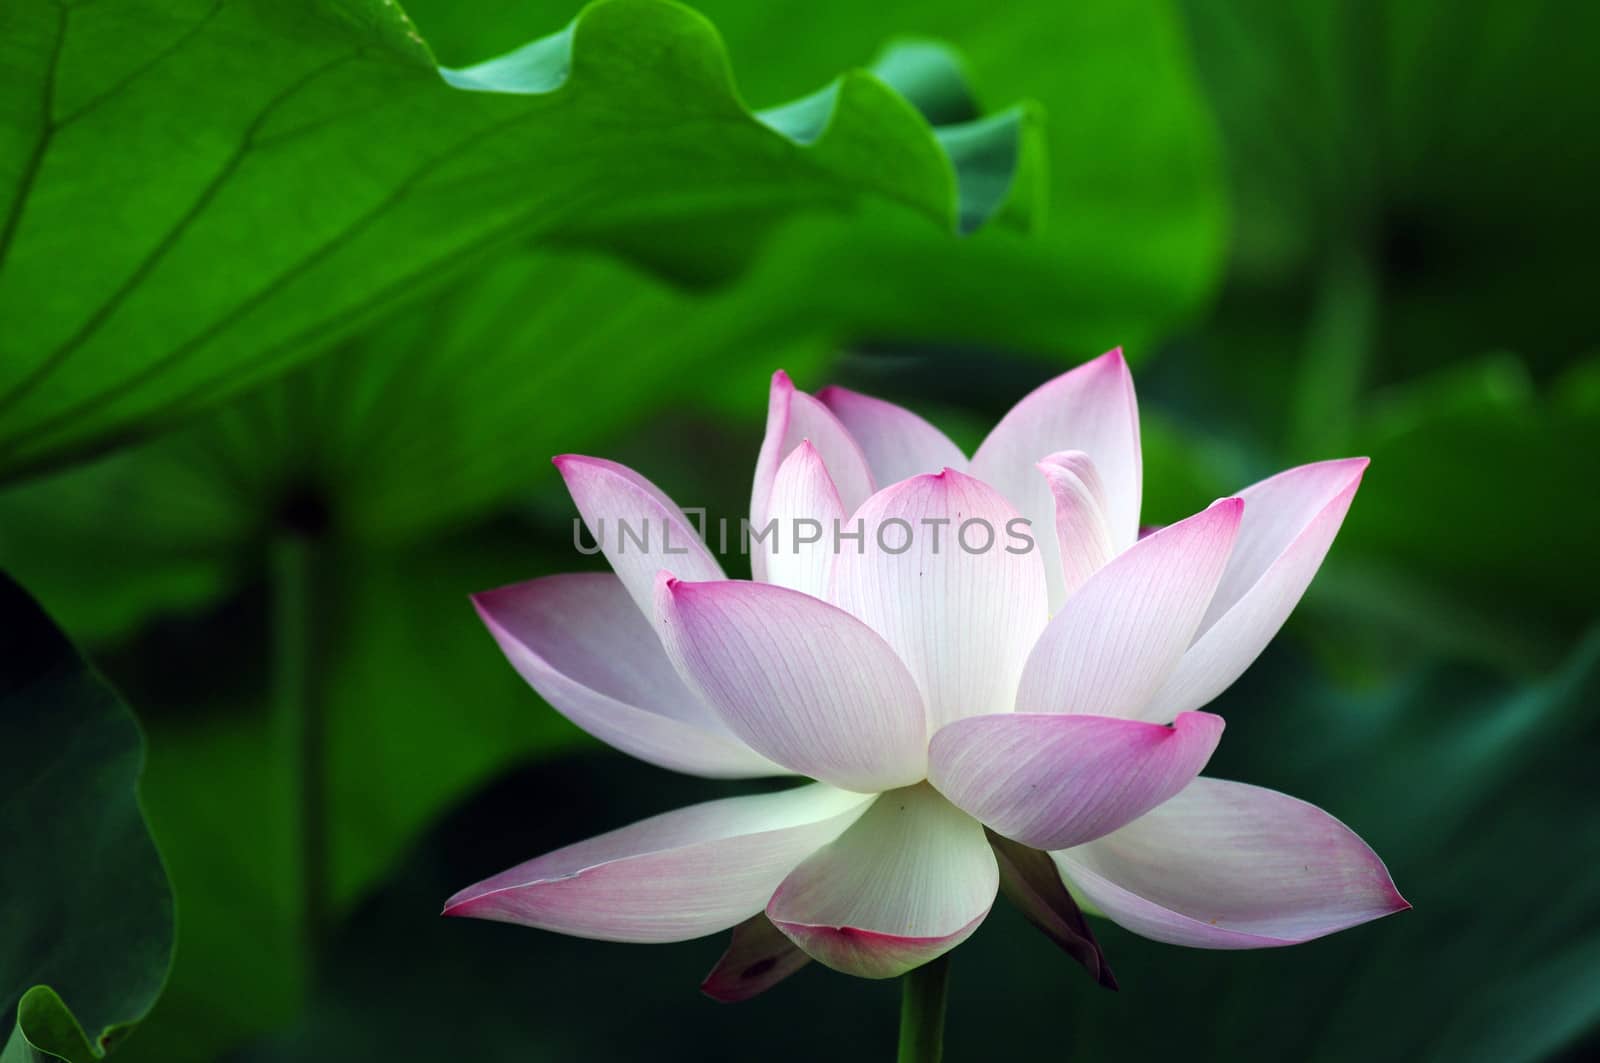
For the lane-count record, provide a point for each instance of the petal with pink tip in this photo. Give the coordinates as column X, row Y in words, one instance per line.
column 802, row 682
column 808, row 512
column 672, row 877
column 758, row 958
column 1116, row 640
column 898, row 444
column 940, row 575
column 1289, row 524
column 1091, row 408
column 579, row 640
column 1228, row 866
column 640, row 530
column 1052, row 781
column 1082, row 539
column 792, row 416
column 909, row 881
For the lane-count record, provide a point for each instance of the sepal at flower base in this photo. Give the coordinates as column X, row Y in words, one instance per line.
column 758, row 958
column 1030, row 881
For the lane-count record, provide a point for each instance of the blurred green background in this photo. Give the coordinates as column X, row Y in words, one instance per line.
column 289, row 328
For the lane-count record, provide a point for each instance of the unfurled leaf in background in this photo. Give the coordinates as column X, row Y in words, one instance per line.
column 46, row 1030
column 325, row 170
column 85, row 908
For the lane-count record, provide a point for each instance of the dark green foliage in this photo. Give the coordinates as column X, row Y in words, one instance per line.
column 298, row 297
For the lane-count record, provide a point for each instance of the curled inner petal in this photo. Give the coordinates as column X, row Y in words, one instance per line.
column 1083, row 538
column 1091, row 409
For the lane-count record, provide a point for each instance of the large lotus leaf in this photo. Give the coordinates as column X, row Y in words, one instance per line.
column 86, row 913
column 197, row 195
column 434, row 415
column 1135, row 174
column 443, row 412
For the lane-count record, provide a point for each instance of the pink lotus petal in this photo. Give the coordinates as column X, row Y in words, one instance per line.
column 1113, row 644
column 672, row 877
column 807, row 509
column 962, row 602
column 793, row 416
column 1092, row 409
column 910, row 881
column 758, row 958
column 898, row 444
column 1229, row 866
column 581, row 643
column 638, row 527
column 1289, row 524
column 1032, row 884
column 801, row 681
column 1082, row 538
column 1051, row 781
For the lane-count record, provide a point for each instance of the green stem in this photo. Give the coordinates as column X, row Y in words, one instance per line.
column 302, row 727
column 922, row 1006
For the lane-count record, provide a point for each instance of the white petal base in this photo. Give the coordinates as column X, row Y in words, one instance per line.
column 910, row 881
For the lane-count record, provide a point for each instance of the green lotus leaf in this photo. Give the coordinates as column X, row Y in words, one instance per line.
column 195, row 196
column 87, row 911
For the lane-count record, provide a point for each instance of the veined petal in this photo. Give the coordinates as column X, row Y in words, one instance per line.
column 1083, row 541
column 1289, row 524
column 898, row 444
column 758, row 958
column 1228, row 866
column 808, row 513
column 910, row 881
column 1115, row 641
column 1091, row 408
column 1052, row 781
column 941, row 577
column 802, row 682
column 672, row 877
column 792, row 416
column 640, row 530
column 579, row 640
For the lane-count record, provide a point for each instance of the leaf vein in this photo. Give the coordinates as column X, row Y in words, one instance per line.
column 53, row 362
column 30, row 171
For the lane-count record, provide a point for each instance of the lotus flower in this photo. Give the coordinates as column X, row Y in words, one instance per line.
column 993, row 667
